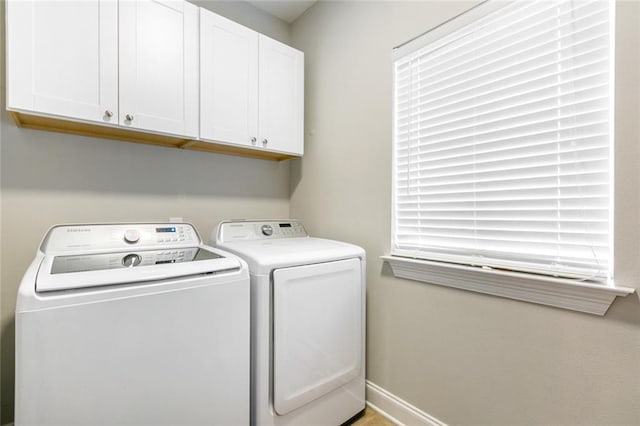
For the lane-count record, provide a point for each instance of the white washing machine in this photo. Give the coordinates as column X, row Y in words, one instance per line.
column 307, row 319
column 132, row 324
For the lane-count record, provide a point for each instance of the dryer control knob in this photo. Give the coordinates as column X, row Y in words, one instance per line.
column 267, row 230
column 132, row 236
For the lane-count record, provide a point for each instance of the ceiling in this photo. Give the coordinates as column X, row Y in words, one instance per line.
column 288, row 11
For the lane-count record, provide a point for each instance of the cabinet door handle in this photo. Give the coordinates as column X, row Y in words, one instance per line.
column 253, row 140
column 108, row 113
column 129, row 117
column 265, row 142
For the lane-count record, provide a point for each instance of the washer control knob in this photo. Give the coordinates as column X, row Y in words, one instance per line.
column 131, row 260
column 267, row 230
column 132, row 236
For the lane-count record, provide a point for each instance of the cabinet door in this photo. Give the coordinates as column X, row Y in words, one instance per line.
column 62, row 58
column 228, row 81
column 159, row 66
column 281, row 97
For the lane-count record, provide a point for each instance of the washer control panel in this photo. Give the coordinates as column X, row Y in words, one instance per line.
column 259, row 230
column 106, row 261
column 120, row 236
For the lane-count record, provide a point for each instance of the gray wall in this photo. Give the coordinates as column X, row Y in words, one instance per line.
column 462, row 357
column 48, row 178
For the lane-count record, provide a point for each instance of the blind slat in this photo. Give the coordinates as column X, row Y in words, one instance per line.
column 567, row 134
column 546, row 52
column 584, row 118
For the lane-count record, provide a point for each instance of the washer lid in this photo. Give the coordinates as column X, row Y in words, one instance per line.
column 75, row 271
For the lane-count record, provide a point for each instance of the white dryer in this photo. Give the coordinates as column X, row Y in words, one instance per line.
column 307, row 319
column 136, row 324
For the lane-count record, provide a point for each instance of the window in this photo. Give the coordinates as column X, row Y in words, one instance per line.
column 503, row 140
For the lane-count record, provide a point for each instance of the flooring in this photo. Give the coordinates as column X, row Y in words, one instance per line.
column 372, row 418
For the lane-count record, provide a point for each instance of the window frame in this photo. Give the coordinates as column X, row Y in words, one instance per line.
column 578, row 295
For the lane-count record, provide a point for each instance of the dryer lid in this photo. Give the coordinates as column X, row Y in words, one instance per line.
column 265, row 255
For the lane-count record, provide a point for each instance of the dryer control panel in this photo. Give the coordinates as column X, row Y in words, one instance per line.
column 118, row 237
column 245, row 230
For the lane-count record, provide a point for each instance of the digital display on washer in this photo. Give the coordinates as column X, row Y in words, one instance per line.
column 106, row 261
column 285, row 225
column 169, row 229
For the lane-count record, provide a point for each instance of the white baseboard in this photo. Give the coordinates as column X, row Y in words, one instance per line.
column 396, row 409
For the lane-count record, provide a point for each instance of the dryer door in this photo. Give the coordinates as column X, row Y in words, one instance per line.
column 317, row 330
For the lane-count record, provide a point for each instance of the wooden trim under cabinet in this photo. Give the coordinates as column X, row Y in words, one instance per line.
column 30, row 121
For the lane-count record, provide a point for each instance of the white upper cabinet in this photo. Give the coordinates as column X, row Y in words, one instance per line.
column 251, row 88
column 159, row 66
column 132, row 63
column 281, row 97
column 229, row 81
column 153, row 71
column 62, row 58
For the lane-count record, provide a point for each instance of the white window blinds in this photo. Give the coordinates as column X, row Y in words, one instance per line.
column 503, row 141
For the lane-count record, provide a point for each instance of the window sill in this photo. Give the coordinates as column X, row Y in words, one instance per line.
column 557, row 292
